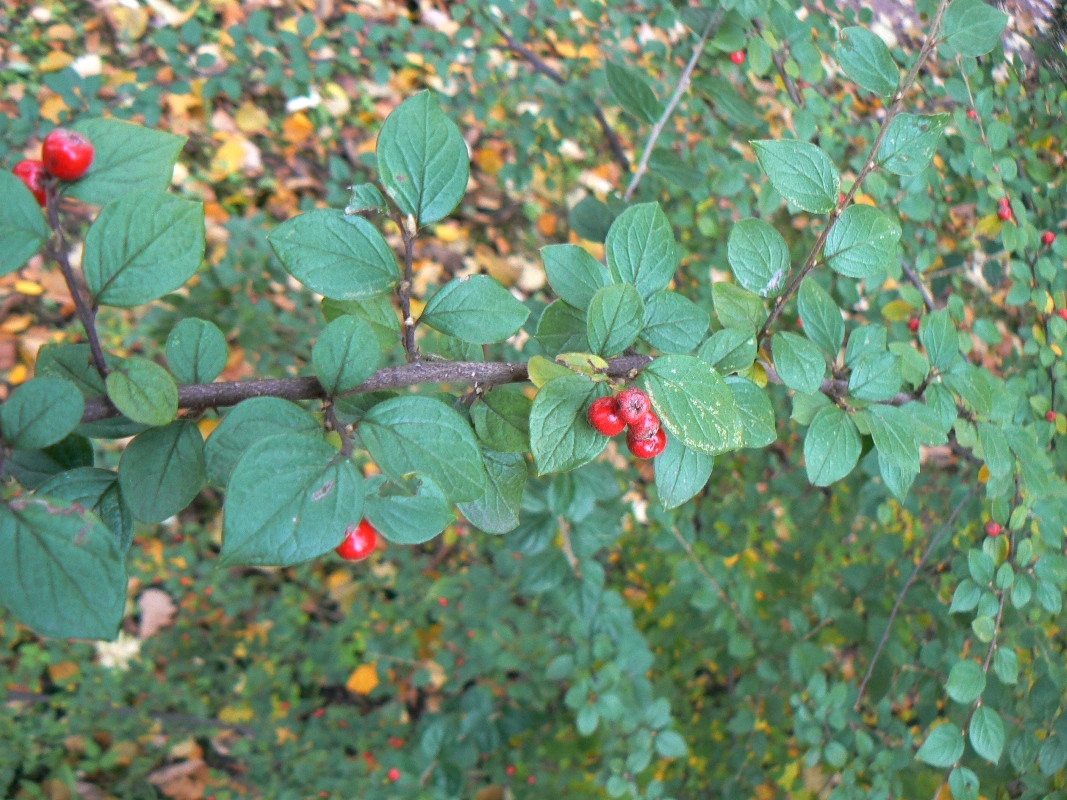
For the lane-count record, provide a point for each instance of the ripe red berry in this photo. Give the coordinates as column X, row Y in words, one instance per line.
column 359, row 542
column 633, row 404
column 31, row 172
column 1004, row 212
column 913, row 324
column 510, row 769
column 442, row 601
column 972, row 114
column 647, row 448
column 66, row 154
column 318, row 712
column 992, row 528
column 1062, row 313
column 531, row 780
column 737, row 56
column 840, row 198
column 604, row 416
column 646, row 427
column 1050, row 416
column 396, row 742
column 1047, row 238
column 394, row 774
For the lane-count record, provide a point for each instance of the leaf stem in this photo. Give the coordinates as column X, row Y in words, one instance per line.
column 408, row 334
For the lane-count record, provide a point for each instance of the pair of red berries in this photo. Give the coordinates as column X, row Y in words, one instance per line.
column 359, row 542
column 629, row 408
column 65, row 155
column 1004, row 208
column 992, row 528
column 737, row 56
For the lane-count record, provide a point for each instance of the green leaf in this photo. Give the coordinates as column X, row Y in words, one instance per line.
column 640, row 248
column 291, row 498
column 420, row 434
column 561, row 437
column 142, row 246
column 736, row 307
column 680, row 472
column 365, row 197
column 910, row 141
column 693, row 403
column 755, row 410
column 591, row 219
column 800, row 172
column 1006, row 665
column 729, row 350
column 995, row 450
column 376, row 311
column 831, row 447
column 966, row 681
column 340, row 257
column 673, row 322
column 966, row 597
column 502, row 420
column 196, row 351
column 143, row 391
column 862, row 243
column 758, row 256
column 98, row 491
column 62, row 573
column 615, row 317
column 162, row 470
column 476, row 309
column 41, row 412
column 986, row 733
column 345, row 354
column 412, row 511
column 247, row 423
column 497, row 510
column 939, row 338
column 573, row 273
column 561, row 329
column 821, row 317
column 875, row 377
column 898, row 480
column 972, row 28
column 894, row 436
column 422, row 159
column 963, row 784
column 127, row 158
column 23, row 228
column 798, row 362
column 672, row 167
column 866, row 59
column 670, row 744
column 943, row 746
column 630, row 87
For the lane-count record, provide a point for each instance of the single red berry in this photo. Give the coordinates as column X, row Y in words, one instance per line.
column 803, row 84
column 913, row 324
column 394, row 774
column 1062, row 313
column 66, row 154
column 442, row 601
column 604, row 416
column 1004, row 212
column 31, row 172
column 633, row 404
column 531, row 780
column 647, row 448
column 318, row 712
column 1050, row 416
column 1047, row 238
column 646, row 427
column 737, row 56
column 992, row 528
column 510, row 769
column 396, row 742
column 840, row 198
column 972, row 114
column 359, row 542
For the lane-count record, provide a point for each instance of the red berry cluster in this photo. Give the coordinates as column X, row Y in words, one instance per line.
column 64, row 154
column 1004, row 208
column 630, row 407
column 359, row 542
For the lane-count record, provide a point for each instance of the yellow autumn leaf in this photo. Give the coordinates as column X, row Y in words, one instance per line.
column 896, row 310
column 229, row 158
column 363, row 679
column 235, row 714
column 297, row 128
column 988, row 226
column 488, row 160
column 207, row 425
column 55, row 61
column 335, row 100
column 18, row 374
column 983, row 474
column 31, row 288
column 62, row 670
column 52, row 107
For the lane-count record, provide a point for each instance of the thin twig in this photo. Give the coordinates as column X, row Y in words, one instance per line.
column 85, row 311
column 779, row 65
column 679, row 90
column 917, row 282
column 346, row 440
column 567, row 547
column 714, row 583
column 407, row 336
column 907, row 585
column 928, row 47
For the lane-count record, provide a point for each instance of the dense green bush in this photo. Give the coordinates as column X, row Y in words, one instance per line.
column 834, row 267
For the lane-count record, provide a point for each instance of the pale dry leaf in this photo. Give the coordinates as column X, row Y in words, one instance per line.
column 157, row 611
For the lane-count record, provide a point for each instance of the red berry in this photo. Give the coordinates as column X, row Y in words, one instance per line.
column 913, row 324
column 509, row 769
column 1004, row 212
column 66, row 154
column 646, row 427
column 531, row 780
column 359, row 542
column 31, row 172
column 396, row 742
column 647, row 448
column 442, row 601
column 992, row 528
column 1047, row 238
column 840, row 198
column 1062, row 313
column 604, row 416
column 394, row 774
column 737, row 56
column 972, row 114
column 1050, row 416
column 633, row 404
column 318, row 712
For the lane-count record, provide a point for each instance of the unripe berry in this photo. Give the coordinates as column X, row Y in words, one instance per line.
column 633, row 404
column 647, row 448
column 31, row 172
column 66, row 154
column 992, row 528
column 646, row 427
column 1050, row 416
column 1047, row 238
column 359, row 542
column 737, row 56
column 604, row 415
column 913, row 324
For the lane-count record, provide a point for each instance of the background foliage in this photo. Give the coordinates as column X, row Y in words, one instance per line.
column 606, row 646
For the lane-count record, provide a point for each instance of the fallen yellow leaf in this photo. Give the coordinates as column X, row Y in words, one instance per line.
column 55, row 61
column 363, row 679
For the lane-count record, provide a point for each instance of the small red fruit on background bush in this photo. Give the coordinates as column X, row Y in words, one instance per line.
column 1061, row 313
column 647, row 448
column 359, row 542
column 1047, row 238
column 394, row 774
column 972, row 114
column 633, row 404
column 737, row 56
column 66, row 154
column 31, row 172
column 1050, row 416
column 913, row 324
column 992, row 528
column 646, row 427
column 1004, row 208
column 604, row 416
